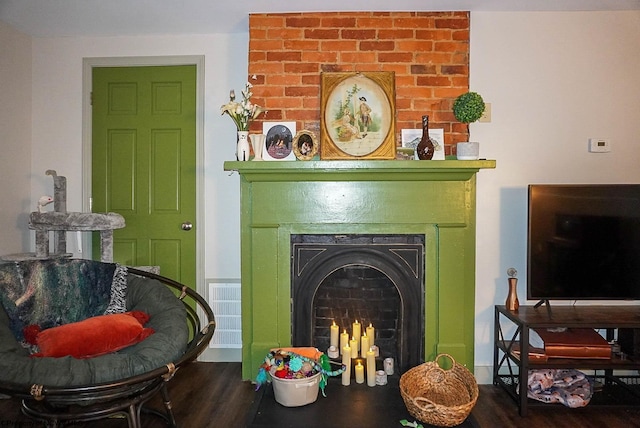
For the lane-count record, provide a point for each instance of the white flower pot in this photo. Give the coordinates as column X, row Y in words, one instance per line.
column 468, row 150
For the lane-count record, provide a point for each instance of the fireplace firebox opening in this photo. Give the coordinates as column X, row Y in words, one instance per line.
column 374, row 279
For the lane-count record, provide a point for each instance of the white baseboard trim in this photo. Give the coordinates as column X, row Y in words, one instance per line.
column 221, row 355
column 484, row 375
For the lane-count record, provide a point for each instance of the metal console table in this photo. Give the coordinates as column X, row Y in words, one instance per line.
column 511, row 332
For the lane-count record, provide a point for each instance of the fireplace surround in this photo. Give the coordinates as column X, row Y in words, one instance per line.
column 435, row 199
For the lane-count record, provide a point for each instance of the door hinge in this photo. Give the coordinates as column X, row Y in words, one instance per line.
column 91, row 98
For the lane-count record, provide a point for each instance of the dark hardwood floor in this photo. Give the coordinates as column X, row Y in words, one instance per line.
column 213, row 395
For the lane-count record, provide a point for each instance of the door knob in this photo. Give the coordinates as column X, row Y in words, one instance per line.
column 187, row 225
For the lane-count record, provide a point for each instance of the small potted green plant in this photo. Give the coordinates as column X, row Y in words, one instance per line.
column 468, row 108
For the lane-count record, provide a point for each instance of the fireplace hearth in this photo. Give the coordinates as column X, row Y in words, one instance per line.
column 432, row 200
column 374, row 279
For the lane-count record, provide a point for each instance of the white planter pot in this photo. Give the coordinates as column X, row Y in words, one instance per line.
column 468, row 150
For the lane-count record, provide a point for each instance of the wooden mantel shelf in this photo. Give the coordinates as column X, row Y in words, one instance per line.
column 350, row 170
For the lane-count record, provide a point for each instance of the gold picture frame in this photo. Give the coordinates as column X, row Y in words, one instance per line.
column 305, row 145
column 358, row 115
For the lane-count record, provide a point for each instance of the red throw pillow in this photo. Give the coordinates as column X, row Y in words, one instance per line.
column 94, row 336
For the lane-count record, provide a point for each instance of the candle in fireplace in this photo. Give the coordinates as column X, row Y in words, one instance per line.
column 364, row 345
column 356, row 332
column 359, row 373
column 344, row 340
column 376, row 350
column 346, row 361
column 353, row 344
column 371, row 368
column 371, row 333
column 334, row 334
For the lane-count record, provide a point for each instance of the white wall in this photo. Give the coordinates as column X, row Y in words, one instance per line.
column 554, row 80
column 15, row 139
column 57, row 127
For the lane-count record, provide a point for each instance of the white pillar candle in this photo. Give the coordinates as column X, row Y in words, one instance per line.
column 371, row 334
column 371, row 368
column 364, row 345
column 353, row 344
column 359, row 373
column 344, row 340
column 346, row 360
column 335, row 330
column 356, row 332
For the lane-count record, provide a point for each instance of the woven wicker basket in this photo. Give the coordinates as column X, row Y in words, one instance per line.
column 437, row 396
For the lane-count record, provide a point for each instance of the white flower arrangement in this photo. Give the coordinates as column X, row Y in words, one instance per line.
column 242, row 113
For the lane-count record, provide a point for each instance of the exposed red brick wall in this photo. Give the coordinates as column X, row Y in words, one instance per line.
column 428, row 51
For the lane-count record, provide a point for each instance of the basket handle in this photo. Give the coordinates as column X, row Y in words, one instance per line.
column 418, row 400
column 453, row 362
column 436, row 374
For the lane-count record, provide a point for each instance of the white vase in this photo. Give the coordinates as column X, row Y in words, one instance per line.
column 468, row 150
column 257, row 142
column 243, row 148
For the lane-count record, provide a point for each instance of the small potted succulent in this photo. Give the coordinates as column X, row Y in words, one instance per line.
column 468, row 108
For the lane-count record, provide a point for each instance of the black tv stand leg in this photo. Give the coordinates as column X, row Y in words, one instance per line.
column 543, row 302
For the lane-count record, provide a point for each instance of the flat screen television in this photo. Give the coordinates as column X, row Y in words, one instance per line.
column 583, row 242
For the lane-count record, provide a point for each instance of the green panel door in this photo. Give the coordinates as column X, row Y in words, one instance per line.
column 143, row 164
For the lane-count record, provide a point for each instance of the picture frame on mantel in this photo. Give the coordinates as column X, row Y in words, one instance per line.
column 357, row 115
column 278, row 144
column 305, row 145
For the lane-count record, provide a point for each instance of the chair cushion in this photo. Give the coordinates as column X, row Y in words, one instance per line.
column 94, row 336
column 168, row 343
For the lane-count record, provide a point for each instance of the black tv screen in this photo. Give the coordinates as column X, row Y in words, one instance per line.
column 583, row 242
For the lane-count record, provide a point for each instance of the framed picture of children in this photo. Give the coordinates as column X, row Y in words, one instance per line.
column 278, row 143
column 305, row 145
column 357, row 115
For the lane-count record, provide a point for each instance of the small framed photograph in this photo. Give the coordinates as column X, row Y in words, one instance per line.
column 411, row 138
column 278, row 143
column 305, row 145
column 357, row 115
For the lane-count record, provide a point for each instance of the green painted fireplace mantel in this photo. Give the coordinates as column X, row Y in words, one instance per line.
column 433, row 198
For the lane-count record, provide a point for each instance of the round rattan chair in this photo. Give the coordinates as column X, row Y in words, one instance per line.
column 57, row 406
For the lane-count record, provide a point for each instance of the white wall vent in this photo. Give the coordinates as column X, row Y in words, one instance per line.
column 224, row 299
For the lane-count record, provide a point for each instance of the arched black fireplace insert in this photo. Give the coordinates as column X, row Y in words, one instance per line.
column 376, row 279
